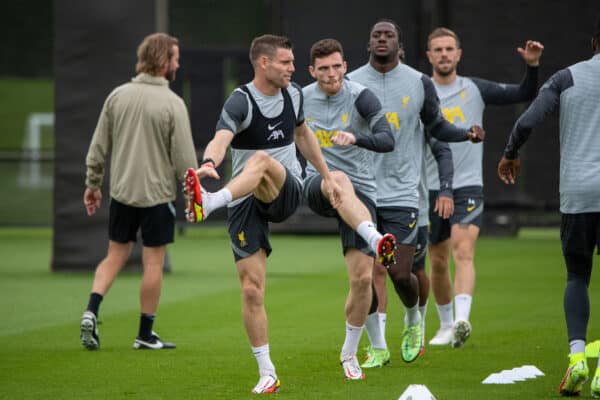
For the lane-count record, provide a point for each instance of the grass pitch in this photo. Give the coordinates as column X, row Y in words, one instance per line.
column 517, row 319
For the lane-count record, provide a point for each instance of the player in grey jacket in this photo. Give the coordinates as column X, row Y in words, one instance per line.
column 350, row 126
column 410, row 103
column 462, row 101
column 575, row 91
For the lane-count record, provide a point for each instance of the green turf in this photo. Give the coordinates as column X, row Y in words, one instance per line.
column 517, row 319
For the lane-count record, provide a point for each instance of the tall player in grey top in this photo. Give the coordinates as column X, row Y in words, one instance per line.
column 575, row 91
column 409, row 100
column 462, row 101
column 349, row 125
column 263, row 122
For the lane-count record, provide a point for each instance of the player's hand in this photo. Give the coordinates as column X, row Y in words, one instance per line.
column 476, row 134
column 532, row 52
column 508, row 170
column 444, row 206
column 92, row 199
column 207, row 171
column 334, row 191
column 342, row 138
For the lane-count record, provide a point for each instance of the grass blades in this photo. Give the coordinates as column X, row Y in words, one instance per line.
column 517, row 319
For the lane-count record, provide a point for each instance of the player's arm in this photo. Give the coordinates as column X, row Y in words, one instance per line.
column 545, row 103
column 437, row 126
column 369, row 108
column 500, row 93
column 235, row 117
column 444, row 204
column 95, row 160
column 309, row 148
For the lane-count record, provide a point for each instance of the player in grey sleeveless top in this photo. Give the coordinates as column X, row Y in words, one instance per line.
column 575, row 91
column 263, row 122
column 462, row 101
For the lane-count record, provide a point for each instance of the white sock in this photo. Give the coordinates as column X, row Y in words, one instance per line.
column 382, row 321
column 352, row 338
column 423, row 311
column 577, row 346
column 369, row 233
column 213, row 201
column 412, row 314
column 263, row 358
column 462, row 306
column 373, row 328
column 446, row 315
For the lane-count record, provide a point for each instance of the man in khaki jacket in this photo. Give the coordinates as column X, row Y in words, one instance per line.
column 146, row 127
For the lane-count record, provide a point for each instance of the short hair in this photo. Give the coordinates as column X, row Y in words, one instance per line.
column 155, row 51
column 596, row 34
column 324, row 48
column 267, row 45
column 388, row 21
column 442, row 32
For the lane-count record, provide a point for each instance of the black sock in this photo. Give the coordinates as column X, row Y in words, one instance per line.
column 146, row 322
column 94, row 303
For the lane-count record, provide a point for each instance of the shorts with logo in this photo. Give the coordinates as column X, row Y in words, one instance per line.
column 579, row 234
column 321, row 206
column 421, row 249
column 248, row 221
column 156, row 223
column 400, row 222
column 468, row 210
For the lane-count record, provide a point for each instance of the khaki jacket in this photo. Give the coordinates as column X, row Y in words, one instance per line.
column 146, row 128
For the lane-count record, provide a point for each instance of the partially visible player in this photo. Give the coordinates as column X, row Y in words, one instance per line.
column 575, row 91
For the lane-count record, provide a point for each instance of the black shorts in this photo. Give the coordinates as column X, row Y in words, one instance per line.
column 421, row 249
column 248, row 221
column 468, row 210
column 579, row 234
column 321, row 206
column 400, row 222
column 157, row 223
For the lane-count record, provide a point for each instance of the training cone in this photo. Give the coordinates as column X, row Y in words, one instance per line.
column 417, row 392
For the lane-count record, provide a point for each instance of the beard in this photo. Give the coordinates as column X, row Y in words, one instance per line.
column 386, row 58
column 445, row 72
column 170, row 75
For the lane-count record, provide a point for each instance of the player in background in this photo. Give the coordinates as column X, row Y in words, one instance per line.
column 462, row 100
column 408, row 99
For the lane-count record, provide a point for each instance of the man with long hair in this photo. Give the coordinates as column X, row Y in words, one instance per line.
column 146, row 128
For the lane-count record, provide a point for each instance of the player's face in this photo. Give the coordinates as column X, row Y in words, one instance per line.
column 329, row 72
column 384, row 42
column 444, row 55
column 280, row 67
column 173, row 65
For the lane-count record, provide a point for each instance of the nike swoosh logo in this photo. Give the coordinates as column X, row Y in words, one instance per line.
column 271, row 127
column 412, row 224
column 470, row 208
